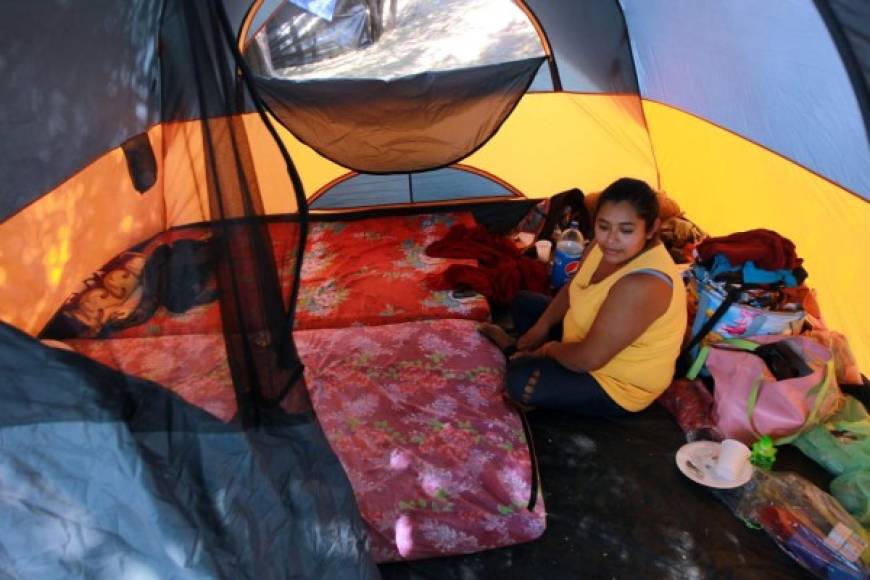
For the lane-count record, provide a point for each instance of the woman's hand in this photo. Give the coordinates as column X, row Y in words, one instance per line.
column 535, row 337
column 542, row 351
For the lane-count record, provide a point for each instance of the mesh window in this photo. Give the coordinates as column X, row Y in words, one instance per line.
column 408, row 85
column 446, row 184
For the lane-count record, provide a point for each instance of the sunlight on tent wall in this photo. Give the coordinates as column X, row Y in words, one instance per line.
column 51, row 246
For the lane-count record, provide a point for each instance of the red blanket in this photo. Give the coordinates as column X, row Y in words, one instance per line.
column 766, row 248
column 503, row 270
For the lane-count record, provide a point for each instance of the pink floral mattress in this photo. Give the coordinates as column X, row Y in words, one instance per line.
column 437, row 460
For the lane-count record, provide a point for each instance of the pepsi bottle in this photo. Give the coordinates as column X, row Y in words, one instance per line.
column 567, row 257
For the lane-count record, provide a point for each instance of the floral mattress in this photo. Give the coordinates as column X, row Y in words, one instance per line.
column 408, row 393
column 363, row 272
column 373, row 271
column 437, row 459
column 200, row 377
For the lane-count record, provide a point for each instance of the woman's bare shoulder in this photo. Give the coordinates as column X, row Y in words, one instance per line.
column 639, row 287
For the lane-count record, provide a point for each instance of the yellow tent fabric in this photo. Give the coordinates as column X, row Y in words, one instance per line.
column 186, row 188
column 552, row 142
column 556, row 141
column 727, row 184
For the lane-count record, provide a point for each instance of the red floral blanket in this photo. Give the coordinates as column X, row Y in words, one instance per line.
column 414, row 411
column 373, row 271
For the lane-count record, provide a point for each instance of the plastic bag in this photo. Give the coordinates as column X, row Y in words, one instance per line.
column 852, row 490
column 806, row 523
column 841, row 444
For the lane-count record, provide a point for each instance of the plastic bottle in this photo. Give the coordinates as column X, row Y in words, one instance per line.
column 568, row 251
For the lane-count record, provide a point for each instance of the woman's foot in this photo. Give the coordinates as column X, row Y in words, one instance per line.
column 497, row 335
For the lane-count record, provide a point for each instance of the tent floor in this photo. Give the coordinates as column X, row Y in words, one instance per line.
column 618, row 507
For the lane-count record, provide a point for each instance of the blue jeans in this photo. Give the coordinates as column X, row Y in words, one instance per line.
column 556, row 387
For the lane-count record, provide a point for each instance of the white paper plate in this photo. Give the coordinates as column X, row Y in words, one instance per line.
column 697, row 459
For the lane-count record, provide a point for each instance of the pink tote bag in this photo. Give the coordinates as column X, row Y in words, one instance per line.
column 750, row 402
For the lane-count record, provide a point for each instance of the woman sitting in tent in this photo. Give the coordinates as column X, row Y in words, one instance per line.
column 607, row 343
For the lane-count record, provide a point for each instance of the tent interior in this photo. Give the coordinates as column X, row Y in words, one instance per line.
column 224, row 352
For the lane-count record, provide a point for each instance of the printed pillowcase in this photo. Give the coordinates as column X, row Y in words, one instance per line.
column 114, row 296
column 112, row 293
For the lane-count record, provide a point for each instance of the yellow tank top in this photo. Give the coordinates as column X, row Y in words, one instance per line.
column 644, row 369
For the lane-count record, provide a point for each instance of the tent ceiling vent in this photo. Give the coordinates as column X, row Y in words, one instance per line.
column 398, row 86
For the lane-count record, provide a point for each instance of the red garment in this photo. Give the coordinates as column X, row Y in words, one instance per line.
column 766, row 248
column 503, row 270
column 691, row 405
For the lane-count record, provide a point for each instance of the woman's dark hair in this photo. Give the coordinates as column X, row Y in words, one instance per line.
column 636, row 192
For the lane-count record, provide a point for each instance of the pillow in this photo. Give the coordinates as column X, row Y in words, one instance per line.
column 174, row 270
column 112, row 293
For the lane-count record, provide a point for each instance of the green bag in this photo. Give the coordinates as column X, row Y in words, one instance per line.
column 842, row 446
column 852, row 490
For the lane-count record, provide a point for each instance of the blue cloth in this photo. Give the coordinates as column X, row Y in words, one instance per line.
column 557, row 388
column 752, row 274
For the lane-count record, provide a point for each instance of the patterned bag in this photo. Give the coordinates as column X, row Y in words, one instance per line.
column 739, row 320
